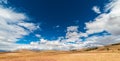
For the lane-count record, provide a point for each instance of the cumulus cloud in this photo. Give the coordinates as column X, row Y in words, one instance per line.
column 6, row 46
column 98, row 25
column 38, row 35
column 107, row 21
column 13, row 25
column 96, row 9
column 69, row 42
column 72, row 34
column 8, row 25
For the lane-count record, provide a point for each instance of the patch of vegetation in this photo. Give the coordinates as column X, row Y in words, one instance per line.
column 118, row 49
column 107, row 49
column 116, row 44
column 89, row 49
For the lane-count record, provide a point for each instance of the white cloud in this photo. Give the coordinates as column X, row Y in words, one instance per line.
column 104, row 22
column 101, row 40
column 29, row 26
column 63, row 43
column 10, row 31
column 72, row 34
column 38, row 35
column 54, row 45
column 72, row 29
column 34, row 43
column 96, row 10
column 43, row 41
column 98, row 25
column 6, row 46
column 109, row 22
column 13, row 26
column 57, row 26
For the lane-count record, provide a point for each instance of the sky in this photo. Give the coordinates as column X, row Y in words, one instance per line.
column 58, row 24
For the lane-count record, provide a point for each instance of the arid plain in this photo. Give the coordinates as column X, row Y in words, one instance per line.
column 107, row 53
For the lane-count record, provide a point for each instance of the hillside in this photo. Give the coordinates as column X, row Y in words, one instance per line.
column 108, row 48
column 90, row 54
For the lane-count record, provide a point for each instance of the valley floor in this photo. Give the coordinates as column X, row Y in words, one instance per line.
column 87, row 56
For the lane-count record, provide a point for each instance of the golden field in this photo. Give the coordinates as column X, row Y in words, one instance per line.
column 107, row 53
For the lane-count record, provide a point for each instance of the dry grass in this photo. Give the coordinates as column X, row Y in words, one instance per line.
column 107, row 53
column 88, row 56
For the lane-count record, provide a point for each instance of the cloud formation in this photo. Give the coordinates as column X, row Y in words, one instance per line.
column 13, row 23
column 107, row 21
column 96, row 9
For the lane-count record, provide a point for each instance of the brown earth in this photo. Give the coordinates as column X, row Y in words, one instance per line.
column 106, row 53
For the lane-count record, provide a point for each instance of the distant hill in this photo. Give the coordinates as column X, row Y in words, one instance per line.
column 108, row 48
column 105, row 53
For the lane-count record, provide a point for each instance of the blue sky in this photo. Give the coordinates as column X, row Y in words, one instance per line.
column 69, row 24
column 62, row 13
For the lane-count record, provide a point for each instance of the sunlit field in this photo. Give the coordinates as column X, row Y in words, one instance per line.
column 107, row 53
